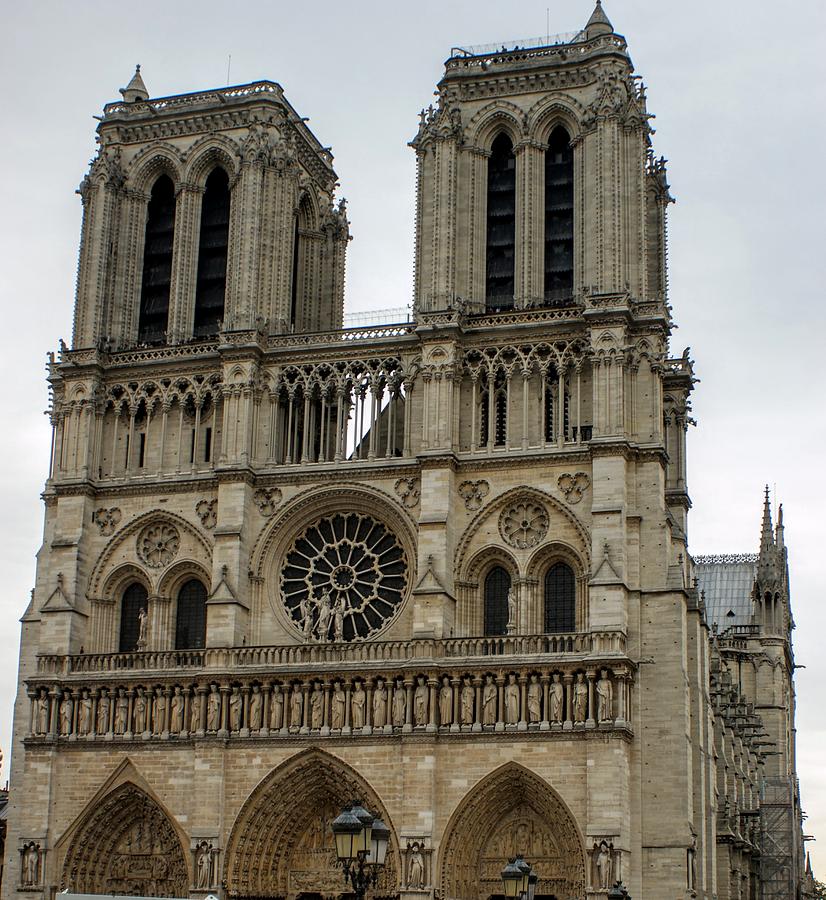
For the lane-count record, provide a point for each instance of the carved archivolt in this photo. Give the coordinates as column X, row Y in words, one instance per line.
column 126, row 845
column 511, row 811
column 281, row 844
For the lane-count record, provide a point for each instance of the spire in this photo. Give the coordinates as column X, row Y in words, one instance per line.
column 767, row 532
column 136, row 89
column 599, row 23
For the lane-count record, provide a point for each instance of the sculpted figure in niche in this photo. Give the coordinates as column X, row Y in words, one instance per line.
column 489, row 701
column 296, row 706
column 139, row 711
column 534, row 699
column 202, row 868
column 420, row 701
column 468, row 697
column 213, row 709
column 605, row 698
column 276, row 708
column 195, row 710
column 316, row 707
column 338, row 619
column 339, row 702
column 30, row 865
column 445, row 702
column 121, row 712
column 41, row 724
column 158, row 711
column 415, row 871
column 176, row 712
column 324, row 614
column 556, row 695
column 380, row 704
column 255, row 708
column 235, row 709
column 399, row 703
column 358, row 700
column 511, row 700
column 580, row 698
column 84, row 716
column 602, row 855
column 104, row 708
column 67, row 708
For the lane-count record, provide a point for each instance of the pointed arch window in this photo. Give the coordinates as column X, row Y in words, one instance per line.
column 134, row 599
column 497, row 586
column 559, row 218
column 212, row 255
column 190, row 621
column 499, row 433
column 501, row 225
column 560, row 599
column 552, row 409
column 157, row 262
column 303, row 305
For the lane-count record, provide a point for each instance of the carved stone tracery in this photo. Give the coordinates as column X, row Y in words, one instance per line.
column 524, row 524
column 158, row 544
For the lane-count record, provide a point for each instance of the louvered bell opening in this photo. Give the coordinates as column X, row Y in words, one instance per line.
column 501, row 225
column 559, row 219
column 212, row 255
column 157, row 262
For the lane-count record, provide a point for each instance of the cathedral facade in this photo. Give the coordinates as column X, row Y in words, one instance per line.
column 439, row 566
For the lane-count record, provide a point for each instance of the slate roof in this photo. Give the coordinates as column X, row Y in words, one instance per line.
column 727, row 581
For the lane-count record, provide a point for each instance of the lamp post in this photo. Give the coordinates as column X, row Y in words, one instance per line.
column 361, row 846
column 519, row 879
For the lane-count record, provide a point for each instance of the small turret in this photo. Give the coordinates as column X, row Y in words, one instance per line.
column 136, row 89
column 767, row 531
column 599, row 23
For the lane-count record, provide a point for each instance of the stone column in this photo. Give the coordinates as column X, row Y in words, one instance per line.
column 568, row 681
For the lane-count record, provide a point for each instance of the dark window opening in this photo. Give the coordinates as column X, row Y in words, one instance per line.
column 190, row 622
column 501, row 225
column 133, row 601
column 192, row 447
column 560, row 599
column 212, row 255
column 142, row 450
column 500, row 412
column 208, row 445
column 497, row 586
column 559, row 218
column 552, row 410
column 294, row 288
column 126, row 460
column 157, row 263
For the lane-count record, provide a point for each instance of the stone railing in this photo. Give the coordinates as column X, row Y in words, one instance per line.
column 585, row 644
column 468, row 697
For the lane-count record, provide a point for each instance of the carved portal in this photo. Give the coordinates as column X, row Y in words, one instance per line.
column 281, row 844
column 126, row 845
column 511, row 811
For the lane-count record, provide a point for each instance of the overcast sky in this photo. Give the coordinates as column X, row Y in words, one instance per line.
column 738, row 91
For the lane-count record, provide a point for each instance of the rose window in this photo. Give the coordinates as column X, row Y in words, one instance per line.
column 158, row 544
column 344, row 578
column 524, row 524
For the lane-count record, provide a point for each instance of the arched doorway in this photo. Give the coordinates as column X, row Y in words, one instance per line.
column 511, row 811
column 281, row 844
column 126, row 845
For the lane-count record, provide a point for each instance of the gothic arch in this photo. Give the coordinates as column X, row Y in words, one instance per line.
column 118, row 552
column 152, row 162
column 125, row 843
column 549, row 112
column 473, row 537
column 512, row 810
column 208, row 153
column 498, row 116
column 281, row 844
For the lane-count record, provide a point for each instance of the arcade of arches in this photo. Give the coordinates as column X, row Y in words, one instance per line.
column 281, row 845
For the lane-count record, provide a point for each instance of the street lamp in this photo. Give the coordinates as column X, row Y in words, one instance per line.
column 519, row 879
column 361, row 846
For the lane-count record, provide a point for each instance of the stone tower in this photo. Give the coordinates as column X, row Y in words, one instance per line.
column 440, row 566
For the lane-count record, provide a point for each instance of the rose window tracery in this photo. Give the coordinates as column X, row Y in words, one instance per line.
column 524, row 524
column 158, row 544
column 344, row 578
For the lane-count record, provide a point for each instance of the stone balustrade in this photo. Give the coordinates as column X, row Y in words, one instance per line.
column 412, row 696
column 585, row 644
